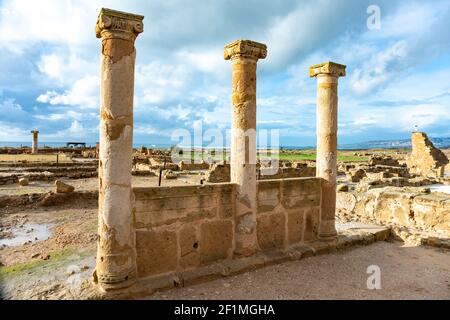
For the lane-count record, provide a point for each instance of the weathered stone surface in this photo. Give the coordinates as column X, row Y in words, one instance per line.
column 356, row 175
column 62, row 187
column 170, row 175
column 345, row 201
column 342, row 188
column 295, row 226
column 216, row 240
column 157, row 251
column 166, row 205
column 426, row 159
column 394, row 207
column 23, row 182
column 185, row 166
column 189, row 246
column 312, row 220
column 271, row 231
column 384, row 161
column 220, row 172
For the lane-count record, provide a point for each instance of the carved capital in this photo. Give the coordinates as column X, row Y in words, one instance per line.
column 331, row 68
column 120, row 25
column 245, row 49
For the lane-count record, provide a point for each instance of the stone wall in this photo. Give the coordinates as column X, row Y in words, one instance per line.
column 187, row 227
column 284, row 173
column 288, row 212
column 183, row 227
column 185, row 166
column 426, row 159
column 221, row 173
column 413, row 208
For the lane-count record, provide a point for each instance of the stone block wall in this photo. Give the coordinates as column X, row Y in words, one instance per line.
column 288, row 212
column 390, row 206
column 187, row 227
column 183, row 227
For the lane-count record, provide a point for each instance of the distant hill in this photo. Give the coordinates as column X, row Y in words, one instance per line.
column 393, row 144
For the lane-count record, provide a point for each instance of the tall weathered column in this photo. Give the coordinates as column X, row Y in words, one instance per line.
column 327, row 75
column 116, row 252
column 244, row 55
column 35, row 145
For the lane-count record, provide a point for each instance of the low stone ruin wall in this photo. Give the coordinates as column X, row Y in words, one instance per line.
column 188, row 227
column 218, row 173
column 284, row 173
column 221, row 173
column 185, row 166
column 395, row 206
column 52, row 175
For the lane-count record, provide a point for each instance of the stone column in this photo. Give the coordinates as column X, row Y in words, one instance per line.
column 327, row 75
column 116, row 251
column 34, row 145
column 243, row 55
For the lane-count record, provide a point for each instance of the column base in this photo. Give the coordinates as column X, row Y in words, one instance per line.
column 327, row 231
column 111, row 282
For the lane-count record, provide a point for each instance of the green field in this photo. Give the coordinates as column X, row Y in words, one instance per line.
column 343, row 156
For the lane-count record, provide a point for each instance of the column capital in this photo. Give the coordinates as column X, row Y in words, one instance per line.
column 330, row 68
column 34, row 131
column 245, row 49
column 119, row 25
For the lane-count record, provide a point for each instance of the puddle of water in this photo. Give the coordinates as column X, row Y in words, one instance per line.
column 439, row 188
column 28, row 232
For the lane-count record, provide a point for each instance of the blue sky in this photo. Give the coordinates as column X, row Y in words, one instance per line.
column 397, row 76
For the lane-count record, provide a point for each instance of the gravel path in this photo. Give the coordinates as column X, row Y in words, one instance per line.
column 406, row 273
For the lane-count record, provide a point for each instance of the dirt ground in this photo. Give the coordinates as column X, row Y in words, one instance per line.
column 91, row 184
column 406, row 273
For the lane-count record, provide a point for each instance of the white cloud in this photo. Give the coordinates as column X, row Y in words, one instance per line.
column 10, row 133
column 379, row 69
column 76, row 130
column 24, row 23
column 84, row 94
column 157, row 82
column 65, row 67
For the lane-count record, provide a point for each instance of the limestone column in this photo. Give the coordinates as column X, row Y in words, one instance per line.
column 327, row 75
column 244, row 55
column 116, row 251
column 34, row 145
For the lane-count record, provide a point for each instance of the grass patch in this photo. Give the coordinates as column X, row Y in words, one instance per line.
column 57, row 258
column 286, row 156
column 312, row 156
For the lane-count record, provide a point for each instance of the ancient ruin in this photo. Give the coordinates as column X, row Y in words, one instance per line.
column 327, row 75
column 35, row 145
column 116, row 257
column 116, row 220
column 142, row 229
column 425, row 158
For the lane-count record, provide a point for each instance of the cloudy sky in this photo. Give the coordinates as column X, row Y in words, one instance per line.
column 398, row 76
